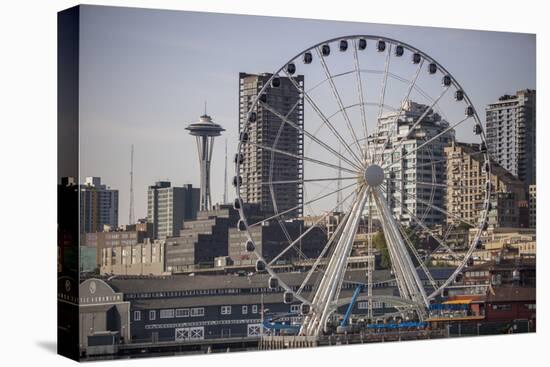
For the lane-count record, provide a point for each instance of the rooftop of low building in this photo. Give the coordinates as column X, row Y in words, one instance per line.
column 505, row 264
column 181, row 282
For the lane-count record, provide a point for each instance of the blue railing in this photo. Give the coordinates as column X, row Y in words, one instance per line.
column 401, row 325
column 271, row 322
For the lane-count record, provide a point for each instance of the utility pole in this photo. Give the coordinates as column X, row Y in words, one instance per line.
column 225, row 176
column 131, row 218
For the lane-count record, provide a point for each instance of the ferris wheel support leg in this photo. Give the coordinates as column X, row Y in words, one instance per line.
column 332, row 278
column 370, row 259
column 401, row 260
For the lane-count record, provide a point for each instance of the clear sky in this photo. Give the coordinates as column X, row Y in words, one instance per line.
column 145, row 75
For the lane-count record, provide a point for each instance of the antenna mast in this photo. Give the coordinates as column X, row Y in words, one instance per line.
column 225, row 176
column 131, row 219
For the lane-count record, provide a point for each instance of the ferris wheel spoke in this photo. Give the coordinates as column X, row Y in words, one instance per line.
column 283, row 182
column 324, row 251
column 309, row 135
column 271, row 188
column 412, row 84
column 324, row 119
column 300, row 205
column 439, row 240
column 419, row 120
column 339, row 100
column 360, row 92
column 405, row 272
column 384, row 82
column 421, row 263
column 298, row 157
column 443, row 211
column 300, row 254
column 422, row 183
column 437, row 136
column 382, row 94
column 373, row 71
column 323, row 190
column 387, row 107
column 432, row 163
column 471, row 187
column 396, row 260
column 297, row 240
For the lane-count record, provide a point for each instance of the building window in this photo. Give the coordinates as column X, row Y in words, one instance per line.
column 245, row 309
column 531, row 306
column 182, row 312
column 137, row 315
column 167, row 314
column 226, row 310
column 502, row 307
column 294, row 308
column 197, row 312
column 254, row 308
column 152, row 315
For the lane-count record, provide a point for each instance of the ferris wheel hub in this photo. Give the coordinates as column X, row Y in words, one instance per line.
column 374, row 175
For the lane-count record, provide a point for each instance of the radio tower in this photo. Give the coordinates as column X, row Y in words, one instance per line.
column 131, row 219
column 205, row 130
column 225, row 176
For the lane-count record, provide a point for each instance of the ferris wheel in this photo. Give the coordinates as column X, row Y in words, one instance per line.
column 351, row 139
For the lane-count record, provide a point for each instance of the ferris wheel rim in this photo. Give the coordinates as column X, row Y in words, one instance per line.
column 455, row 83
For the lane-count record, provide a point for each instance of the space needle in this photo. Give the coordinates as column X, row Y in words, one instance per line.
column 205, row 130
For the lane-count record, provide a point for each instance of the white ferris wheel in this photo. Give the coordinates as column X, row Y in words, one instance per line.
column 358, row 150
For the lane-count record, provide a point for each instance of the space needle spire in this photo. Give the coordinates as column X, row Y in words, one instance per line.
column 205, row 130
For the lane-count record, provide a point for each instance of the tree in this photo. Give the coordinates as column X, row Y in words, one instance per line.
column 379, row 242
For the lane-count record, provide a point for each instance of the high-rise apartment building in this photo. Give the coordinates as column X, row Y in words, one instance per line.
column 511, row 128
column 415, row 188
column 98, row 206
column 168, row 207
column 259, row 163
column 466, row 188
